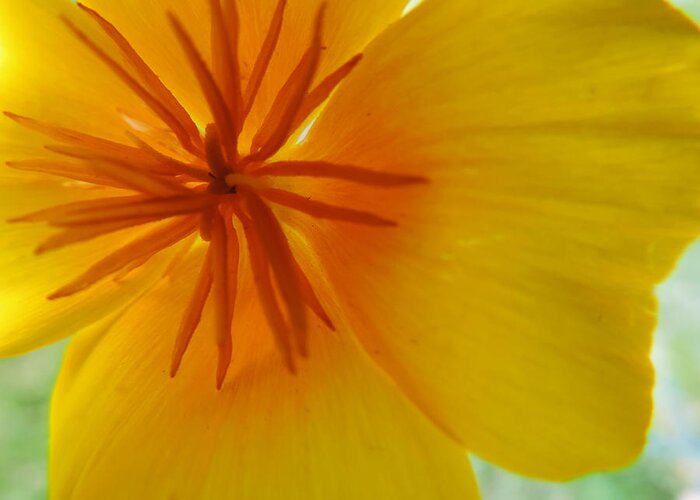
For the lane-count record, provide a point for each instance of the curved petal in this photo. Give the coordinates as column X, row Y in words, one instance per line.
column 48, row 74
column 121, row 428
column 514, row 303
column 349, row 26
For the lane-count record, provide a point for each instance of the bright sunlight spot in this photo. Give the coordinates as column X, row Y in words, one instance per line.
column 411, row 5
column 305, row 132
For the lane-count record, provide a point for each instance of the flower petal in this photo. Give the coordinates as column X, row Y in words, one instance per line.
column 121, row 428
column 514, row 303
column 48, row 74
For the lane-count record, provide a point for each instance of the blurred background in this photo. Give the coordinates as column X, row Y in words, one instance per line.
column 669, row 469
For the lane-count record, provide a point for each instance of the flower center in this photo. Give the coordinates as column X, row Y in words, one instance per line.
column 190, row 182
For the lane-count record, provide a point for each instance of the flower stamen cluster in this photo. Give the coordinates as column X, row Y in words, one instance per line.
column 202, row 183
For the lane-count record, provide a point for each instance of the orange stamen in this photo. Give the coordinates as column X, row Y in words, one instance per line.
column 215, row 158
column 158, row 208
column 310, row 297
column 67, row 170
column 217, row 104
column 277, row 126
column 98, row 147
column 193, row 313
column 321, row 92
column 233, row 254
column 323, row 210
column 140, row 262
column 205, row 223
column 144, row 131
column 130, row 176
column 60, row 211
column 156, row 106
column 224, row 43
column 132, row 266
column 189, row 134
column 261, row 274
column 84, row 233
column 264, row 56
column 222, row 248
column 151, row 243
column 329, row 170
column 132, row 157
column 176, row 166
column 279, row 255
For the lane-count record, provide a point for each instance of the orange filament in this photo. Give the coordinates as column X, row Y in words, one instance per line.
column 281, row 260
column 98, row 145
column 233, row 255
column 224, row 251
column 205, row 220
column 334, row 171
column 216, row 160
column 83, row 233
column 66, row 210
column 220, row 111
column 323, row 210
column 125, row 271
column 185, row 245
column 174, row 166
column 309, row 296
column 261, row 272
column 66, row 170
column 157, row 240
column 136, row 180
column 158, row 107
column 188, row 132
column 193, row 182
column 224, row 46
column 264, row 57
column 321, row 92
column 278, row 123
column 151, row 164
column 193, row 314
column 158, row 208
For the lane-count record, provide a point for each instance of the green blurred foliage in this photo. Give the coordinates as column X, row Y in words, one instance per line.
column 25, row 392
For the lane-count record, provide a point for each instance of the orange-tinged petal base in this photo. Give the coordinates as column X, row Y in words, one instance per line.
column 335, row 429
column 188, row 179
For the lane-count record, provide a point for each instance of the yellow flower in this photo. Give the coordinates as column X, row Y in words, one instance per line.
column 306, row 254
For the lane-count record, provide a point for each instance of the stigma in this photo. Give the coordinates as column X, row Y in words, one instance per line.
column 199, row 183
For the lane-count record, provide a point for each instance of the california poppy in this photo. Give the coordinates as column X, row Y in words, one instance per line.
column 320, row 249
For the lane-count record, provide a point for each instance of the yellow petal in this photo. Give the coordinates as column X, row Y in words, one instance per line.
column 48, row 74
column 29, row 320
column 514, row 303
column 338, row 429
